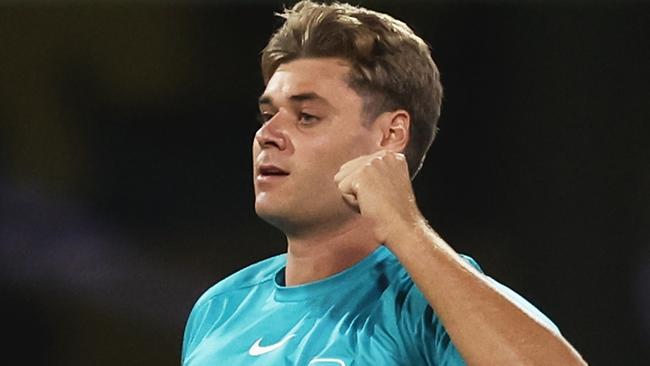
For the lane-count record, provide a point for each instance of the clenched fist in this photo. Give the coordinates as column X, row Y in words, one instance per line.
column 379, row 187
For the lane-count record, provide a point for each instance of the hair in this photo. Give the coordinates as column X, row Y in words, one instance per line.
column 390, row 66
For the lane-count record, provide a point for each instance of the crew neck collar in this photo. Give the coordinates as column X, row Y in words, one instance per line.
column 328, row 285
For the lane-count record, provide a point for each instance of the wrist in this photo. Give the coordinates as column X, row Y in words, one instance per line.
column 406, row 229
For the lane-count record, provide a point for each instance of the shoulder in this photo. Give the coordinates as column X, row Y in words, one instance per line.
column 415, row 307
column 223, row 298
column 410, row 301
column 247, row 277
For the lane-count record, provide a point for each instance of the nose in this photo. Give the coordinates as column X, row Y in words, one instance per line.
column 272, row 134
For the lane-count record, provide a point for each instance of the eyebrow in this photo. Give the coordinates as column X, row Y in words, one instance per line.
column 297, row 98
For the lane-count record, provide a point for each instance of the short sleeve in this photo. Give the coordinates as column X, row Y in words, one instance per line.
column 205, row 314
column 190, row 334
column 426, row 341
column 430, row 344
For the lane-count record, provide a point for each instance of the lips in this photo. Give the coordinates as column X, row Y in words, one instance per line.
column 271, row 170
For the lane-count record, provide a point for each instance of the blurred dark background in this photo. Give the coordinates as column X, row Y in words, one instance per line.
column 125, row 179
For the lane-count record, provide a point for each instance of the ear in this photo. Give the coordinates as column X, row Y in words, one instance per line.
column 395, row 127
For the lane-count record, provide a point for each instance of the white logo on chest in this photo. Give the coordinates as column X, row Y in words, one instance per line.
column 257, row 350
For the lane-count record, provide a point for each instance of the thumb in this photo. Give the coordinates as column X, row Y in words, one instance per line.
column 351, row 201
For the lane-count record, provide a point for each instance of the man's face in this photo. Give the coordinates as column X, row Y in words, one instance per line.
column 312, row 124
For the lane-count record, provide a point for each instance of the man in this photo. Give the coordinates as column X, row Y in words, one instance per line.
column 350, row 108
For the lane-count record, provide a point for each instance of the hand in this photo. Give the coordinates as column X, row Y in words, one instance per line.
column 379, row 187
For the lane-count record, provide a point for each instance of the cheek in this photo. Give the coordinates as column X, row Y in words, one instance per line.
column 343, row 148
column 322, row 155
column 255, row 148
column 328, row 155
column 324, row 164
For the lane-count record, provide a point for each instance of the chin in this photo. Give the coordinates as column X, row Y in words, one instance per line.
column 269, row 211
column 274, row 218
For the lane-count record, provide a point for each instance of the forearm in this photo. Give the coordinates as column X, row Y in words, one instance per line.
column 485, row 326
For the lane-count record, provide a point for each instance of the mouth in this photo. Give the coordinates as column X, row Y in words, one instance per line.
column 268, row 172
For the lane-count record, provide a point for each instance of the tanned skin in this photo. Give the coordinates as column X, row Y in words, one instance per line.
column 348, row 191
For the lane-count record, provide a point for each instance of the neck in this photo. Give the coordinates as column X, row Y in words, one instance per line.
column 320, row 255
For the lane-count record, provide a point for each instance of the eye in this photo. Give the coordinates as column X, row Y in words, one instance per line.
column 264, row 117
column 306, row 118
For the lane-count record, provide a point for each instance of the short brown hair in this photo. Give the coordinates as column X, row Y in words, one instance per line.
column 391, row 67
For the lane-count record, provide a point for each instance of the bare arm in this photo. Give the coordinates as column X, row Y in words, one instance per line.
column 486, row 326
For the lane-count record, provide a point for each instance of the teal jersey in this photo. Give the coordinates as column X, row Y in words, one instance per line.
column 369, row 314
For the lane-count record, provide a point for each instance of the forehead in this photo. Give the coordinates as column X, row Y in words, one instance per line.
column 326, row 77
